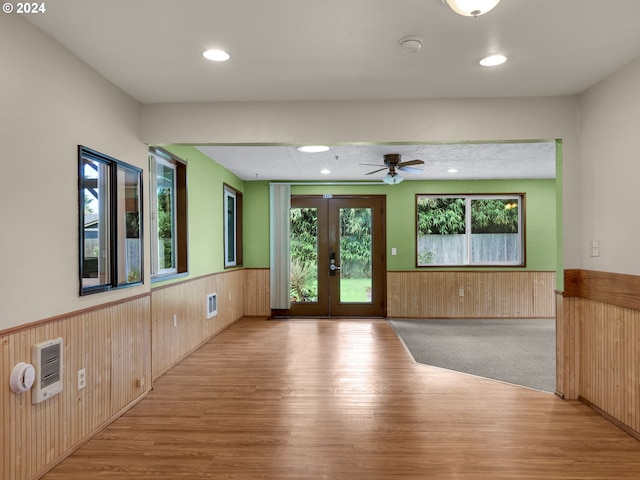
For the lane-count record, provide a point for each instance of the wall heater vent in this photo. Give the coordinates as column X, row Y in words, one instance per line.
column 212, row 305
column 47, row 360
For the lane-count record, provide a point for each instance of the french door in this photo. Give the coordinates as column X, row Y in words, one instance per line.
column 337, row 256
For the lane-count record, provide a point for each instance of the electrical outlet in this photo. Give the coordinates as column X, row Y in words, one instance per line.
column 82, row 379
column 461, row 292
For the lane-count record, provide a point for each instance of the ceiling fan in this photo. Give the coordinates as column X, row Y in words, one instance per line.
column 393, row 164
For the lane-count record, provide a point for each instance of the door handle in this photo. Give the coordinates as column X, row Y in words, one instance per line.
column 332, row 265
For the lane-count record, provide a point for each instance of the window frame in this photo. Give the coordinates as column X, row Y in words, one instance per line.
column 179, row 227
column 469, row 263
column 155, row 249
column 229, row 192
column 112, row 221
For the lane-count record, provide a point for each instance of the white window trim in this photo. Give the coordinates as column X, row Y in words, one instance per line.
column 228, row 193
column 155, row 252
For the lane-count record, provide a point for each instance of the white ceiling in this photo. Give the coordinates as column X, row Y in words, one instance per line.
column 286, row 50
column 473, row 161
column 289, row 50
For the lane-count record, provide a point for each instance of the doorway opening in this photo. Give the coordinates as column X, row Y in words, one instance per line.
column 338, row 259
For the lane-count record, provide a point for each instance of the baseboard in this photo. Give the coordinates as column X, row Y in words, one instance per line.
column 199, row 345
column 90, row 436
column 613, row 420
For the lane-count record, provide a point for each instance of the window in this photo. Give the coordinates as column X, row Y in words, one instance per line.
column 168, row 214
column 232, row 227
column 472, row 230
column 110, row 199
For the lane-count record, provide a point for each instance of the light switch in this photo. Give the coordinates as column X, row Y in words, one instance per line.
column 394, row 251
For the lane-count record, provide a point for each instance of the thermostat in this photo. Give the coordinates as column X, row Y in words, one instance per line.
column 22, row 377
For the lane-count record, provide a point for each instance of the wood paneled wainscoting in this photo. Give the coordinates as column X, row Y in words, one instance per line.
column 256, row 292
column 436, row 294
column 599, row 344
column 122, row 346
column 462, row 294
column 112, row 342
column 179, row 315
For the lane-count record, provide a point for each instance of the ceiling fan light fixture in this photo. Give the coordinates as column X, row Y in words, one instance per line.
column 471, row 8
column 313, row 148
column 392, row 179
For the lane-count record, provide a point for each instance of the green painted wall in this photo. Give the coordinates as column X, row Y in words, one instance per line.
column 541, row 238
column 256, row 224
column 205, row 196
column 205, row 180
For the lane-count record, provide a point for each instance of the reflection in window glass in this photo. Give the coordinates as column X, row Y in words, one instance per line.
column 110, row 222
column 304, row 255
column 230, row 228
column 95, row 223
column 165, row 217
column 168, row 208
column 129, row 244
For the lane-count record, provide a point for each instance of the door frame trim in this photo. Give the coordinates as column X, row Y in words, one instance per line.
column 280, row 313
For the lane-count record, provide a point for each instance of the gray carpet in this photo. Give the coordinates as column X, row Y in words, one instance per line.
column 517, row 351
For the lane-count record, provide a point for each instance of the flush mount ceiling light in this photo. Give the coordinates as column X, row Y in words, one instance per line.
column 392, row 179
column 325, row 171
column 411, row 44
column 493, row 60
column 216, row 55
column 471, row 8
column 313, row 149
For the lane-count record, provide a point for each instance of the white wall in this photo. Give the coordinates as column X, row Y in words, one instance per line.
column 384, row 121
column 50, row 102
column 610, row 167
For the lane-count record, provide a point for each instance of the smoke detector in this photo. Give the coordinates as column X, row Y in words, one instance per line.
column 411, row 44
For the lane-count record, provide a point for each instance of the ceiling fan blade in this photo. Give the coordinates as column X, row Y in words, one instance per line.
column 373, row 164
column 410, row 169
column 411, row 162
column 376, row 171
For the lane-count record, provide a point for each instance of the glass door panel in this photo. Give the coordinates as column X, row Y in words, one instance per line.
column 309, row 289
column 337, row 257
column 304, row 255
column 357, row 262
column 355, row 254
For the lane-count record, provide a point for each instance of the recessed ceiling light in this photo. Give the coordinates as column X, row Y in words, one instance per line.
column 452, row 170
column 325, row 171
column 493, row 60
column 216, row 55
column 313, row 148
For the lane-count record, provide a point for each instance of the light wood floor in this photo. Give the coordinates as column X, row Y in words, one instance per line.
column 309, row 399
